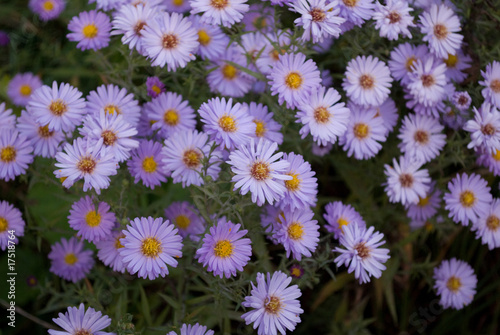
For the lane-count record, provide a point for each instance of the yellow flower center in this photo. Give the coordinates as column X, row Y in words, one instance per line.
column 294, row 183
column 496, row 155
column 467, row 199
column 178, row 3
column 492, row 222
column 451, row 61
column 191, row 158
column 149, row 164
column 296, row 272
column 25, row 90
column 342, row 222
column 360, row 130
column 182, row 221
column 453, row 284
column 3, row 224
column 223, row 249
column 260, row 128
column 260, row 171
column 409, row 63
column 109, row 137
column 8, row 154
column 422, row 202
column 350, row 3
column 203, row 37
column 58, row 107
column 90, row 30
column 171, row 117
column 321, row 115
column 219, row 4
column 260, row 22
column 151, row 247
column 156, row 89
column 295, row 231
column 44, row 132
column 93, row 219
column 86, row 165
column 118, row 244
column 366, row 81
column 70, row 258
column 48, row 6
column 112, row 109
column 227, row 123
column 293, row 80
column 229, row 71
column 272, row 305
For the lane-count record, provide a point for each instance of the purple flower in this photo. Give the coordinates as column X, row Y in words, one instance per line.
column 212, row 39
column 15, row 154
column 224, row 249
column 339, row 215
column 319, row 19
column 80, row 321
column 356, row 11
column 7, row 118
column 321, row 150
column 455, row 64
column 403, row 57
column 220, row 12
column 197, row 329
column 491, row 83
column 275, row 305
column 154, row 86
column 455, row 283
column 146, row 164
column 362, row 253
column 427, row 82
column 47, row 9
column 489, row 160
column 427, row 206
column 276, row 44
column 130, row 22
column 485, row 128
column 69, row 260
column 149, row 246
column 11, row 224
column 186, row 218
column 461, row 100
column 296, row 271
column 393, row 19
column 266, row 127
column 90, row 29
column 21, row 86
column 178, row 6
column 259, row 18
column 389, row 114
column 487, row 227
column 108, row 251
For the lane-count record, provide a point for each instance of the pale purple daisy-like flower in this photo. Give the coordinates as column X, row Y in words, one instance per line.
column 362, row 253
column 170, row 39
column 186, row 218
column 429, row 108
column 393, row 19
column 364, row 133
column 45, row 142
column 406, row 182
column 367, row 81
column 220, row 12
column 468, row 199
column 47, row 9
column 259, row 170
column 116, row 134
column 21, row 86
column 146, row 164
column 266, row 127
column 356, row 11
column 302, row 189
column 171, row 114
column 229, row 126
column 16, row 153
column 421, row 137
column 69, row 260
column 259, row 18
column 455, row 64
column 489, row 160
column 197, row 329
column 323, row 116
column 440, row 26
column 224, row 249
column 293, row 78
column 90, row 29
column 455, row 283
column 487, row 227
column 80, row 321
column 149, row 246
column 93, row 223
column 275, row 305
column 388, row 112
column 130, row 22
column 484, row 128
column 461, row 100
column 319, row 19
column 11, row 224
column 7, row 118
column 183, row 157
column 298, row 233
column 491, row 83
column 108, row 250
column 114, row 100
column 339, row 215
column 154, row 86
column 108, row 5
column 228, row 79
column 427, row 206
column 402, row 59
column 92, row 163
column 428, row 81
column 277, row 43
column 178, row 6
column 212, row 39
column 60, row 107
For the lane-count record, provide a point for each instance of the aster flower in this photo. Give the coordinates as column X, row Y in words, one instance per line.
column 183, row 155
column 224, row 12
column 259, row 170
column 266, row 127
column 69, row 260
column 47, row 9
column 224, row 249
column 171, row 114
column 81, row 321
column 44, row 141
column 388, row 112
column 427, row 81
column 302, row 189
column 455, row 64
column 108, row 250
column 178, row 6
column 146, row 164
column 393, row 19
column 170, row 39
column 421, row 137
column 319, row 19
column 427, row 206
column 461, row 100
column 11, row 223
column 491, row 82
column 455, row 283
column 130, row 22
column 275, row 305
column 406, row 182
column 367, row 81
column 296, row 271
column 489, row 160
column 154, row 86
column 15, row 154
column 298, row 233
column 61, row 108
column 108, row 4
column 293, row 78
column 440, row 26
column 403, row 58
column 468, row 198
column 230, row 126
column 21, row 86
column 197, row 329
column 339, row 215
column 323, row 116
column 149, row 246
column 277, row 43
column 487, row 227
column 186, row 218
column 92, row 223
column 485, row 128
column 114, row 99
column 259, row 18
column 94, row 164
column 90, row 29
column 7, row 118
column 356, row 11
column 212, row 39
column 362, row 253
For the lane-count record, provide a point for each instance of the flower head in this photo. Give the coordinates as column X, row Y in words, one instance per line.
column 146, row 164
column 22, row 86
column 11, row 224
column 491, row 83
column 455, row 283
column 92, row 223
column 339, row 215
column 154, row 86
column 212, row 39
column 265, row 126
column 108, row 250
column 393, row 19
column 78, row 321
column 15, row 154
column 130, row 22
column 298, row 232
column 69, row 260
column 47, row 9
column 186, row 218
column 197, row 329
column 220, row 12
column 484, row 128
column 44, row 141
column 90, row 29
column 319, row 19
